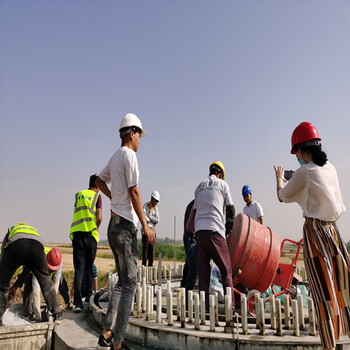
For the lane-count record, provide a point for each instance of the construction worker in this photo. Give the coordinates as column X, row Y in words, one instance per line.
column 212, row 199
column 152, row 216
column 84, row 235
column 31, row 292
column 122, row 173
column 22, row 246
column 252, row 208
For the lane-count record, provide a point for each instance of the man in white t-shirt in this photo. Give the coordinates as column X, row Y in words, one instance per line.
column 253, row 208
column 214, row 214
column 122, row 174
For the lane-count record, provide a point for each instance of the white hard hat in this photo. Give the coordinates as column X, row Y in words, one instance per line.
column 132, row 120
column 156, row 195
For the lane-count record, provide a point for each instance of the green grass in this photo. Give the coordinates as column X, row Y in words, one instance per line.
column 166, row 249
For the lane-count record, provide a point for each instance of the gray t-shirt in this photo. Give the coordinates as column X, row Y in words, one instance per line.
column 211, row 197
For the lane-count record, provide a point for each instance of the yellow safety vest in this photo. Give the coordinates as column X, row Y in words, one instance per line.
column 84, row 218
column 22, row 230
column 47, row 249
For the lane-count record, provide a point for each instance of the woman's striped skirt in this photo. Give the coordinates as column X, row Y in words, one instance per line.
column 327, row 265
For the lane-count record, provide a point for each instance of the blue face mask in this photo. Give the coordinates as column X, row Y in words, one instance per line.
column 301, row 161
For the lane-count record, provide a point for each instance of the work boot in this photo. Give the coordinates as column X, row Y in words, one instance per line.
column 57, row 317
column 70, row 306
column 104, row 343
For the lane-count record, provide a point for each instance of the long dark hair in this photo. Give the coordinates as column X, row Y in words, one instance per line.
column 318, row 156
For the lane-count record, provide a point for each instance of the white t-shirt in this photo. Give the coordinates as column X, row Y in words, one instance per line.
column 316, row 189
column 122, row 172
column 211, row 197
column 255, row 210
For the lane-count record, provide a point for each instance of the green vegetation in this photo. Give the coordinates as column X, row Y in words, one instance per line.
column 166, row 249
column 348, row 246
column 102, row 279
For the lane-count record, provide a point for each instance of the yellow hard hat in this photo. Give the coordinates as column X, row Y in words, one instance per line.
column 219, row 165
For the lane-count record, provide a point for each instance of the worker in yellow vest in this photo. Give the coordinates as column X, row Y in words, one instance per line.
column 84, row 235
column 22, row 245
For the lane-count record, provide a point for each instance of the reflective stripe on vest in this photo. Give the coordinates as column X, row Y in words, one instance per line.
column 84, row 218
column 21, row 230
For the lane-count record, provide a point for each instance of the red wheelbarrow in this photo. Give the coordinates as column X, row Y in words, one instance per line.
column 255, row 253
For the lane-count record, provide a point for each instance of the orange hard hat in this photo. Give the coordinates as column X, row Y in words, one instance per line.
column 305, row 131
column 54, row 259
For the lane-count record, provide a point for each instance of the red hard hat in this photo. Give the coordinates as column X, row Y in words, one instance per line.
column 305, row 131
column 54, row 259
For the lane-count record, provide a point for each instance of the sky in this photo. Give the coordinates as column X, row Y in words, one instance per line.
column 210, row 80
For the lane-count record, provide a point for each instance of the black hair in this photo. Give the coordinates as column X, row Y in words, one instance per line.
column 215, row 169
column 318, row 156
column 92, row 181
column 125, row 131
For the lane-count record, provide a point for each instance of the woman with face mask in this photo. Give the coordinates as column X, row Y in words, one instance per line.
column 315, row 187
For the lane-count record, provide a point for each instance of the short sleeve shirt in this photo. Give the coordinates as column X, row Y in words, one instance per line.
column 211, row 198
column 122, row 173
column 255, row 210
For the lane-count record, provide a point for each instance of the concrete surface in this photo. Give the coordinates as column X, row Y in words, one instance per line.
column 77, row 331
column 142, row 334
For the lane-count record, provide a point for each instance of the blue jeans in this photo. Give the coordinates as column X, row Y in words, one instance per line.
column 190, row 245
column 122, row 238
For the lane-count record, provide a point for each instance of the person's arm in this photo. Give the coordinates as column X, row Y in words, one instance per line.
column 261, row 220
column 190, row 221
column 138, row 207
column 95, row 284
column 98, row 217
column 292, row 191
column 103, row 187
column 279, row 180
column 230, row 216
column 154, row 217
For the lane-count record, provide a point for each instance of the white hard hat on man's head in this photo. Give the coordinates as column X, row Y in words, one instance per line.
column 156, row 195
column 131, row 120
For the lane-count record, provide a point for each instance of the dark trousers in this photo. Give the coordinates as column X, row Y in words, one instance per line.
column 84, row 253
column 190, row 245
column 211, row 245
column 30, row 253
column 64, row 290
column 147, row 251
column 28, row 287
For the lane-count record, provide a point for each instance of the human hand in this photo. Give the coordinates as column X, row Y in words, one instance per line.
column 279, row 173
column 149, row 234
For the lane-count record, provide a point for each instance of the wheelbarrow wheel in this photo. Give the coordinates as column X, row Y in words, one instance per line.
column 251, row 302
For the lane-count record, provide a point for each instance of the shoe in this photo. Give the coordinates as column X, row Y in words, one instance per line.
column 77, row 309
column 57, row 317
column 70, row 306
column 124, row 347
column 104, row 343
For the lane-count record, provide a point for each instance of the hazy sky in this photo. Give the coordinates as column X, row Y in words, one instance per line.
column 210, row 80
